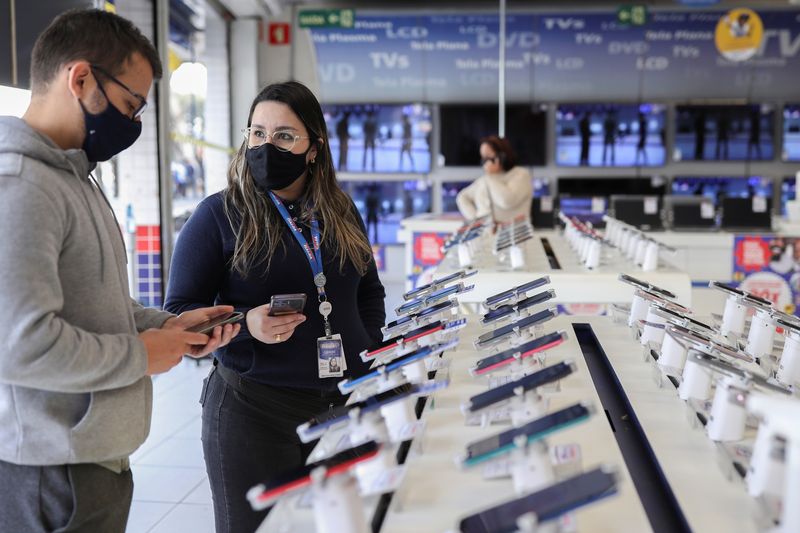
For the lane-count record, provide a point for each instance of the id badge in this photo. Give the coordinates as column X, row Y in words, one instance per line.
column 330, row 357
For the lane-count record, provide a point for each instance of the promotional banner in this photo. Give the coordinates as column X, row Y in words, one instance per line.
column 426, row 256
column 769, row 266
column 552, row 56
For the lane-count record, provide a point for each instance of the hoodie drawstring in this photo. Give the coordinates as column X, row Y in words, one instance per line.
column 94, row 220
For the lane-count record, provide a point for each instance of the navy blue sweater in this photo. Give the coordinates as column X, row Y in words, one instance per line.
column 201, row 275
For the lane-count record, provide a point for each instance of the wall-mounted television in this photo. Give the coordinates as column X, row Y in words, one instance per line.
column 788, row 191
column 716, row 187
column 587, row 209
column 464, row 125
column 379, row 138
column 610, row 135
column 724, row 133
column 450, row 190
column 791, row 132
column 602, row 186
column 383, row 204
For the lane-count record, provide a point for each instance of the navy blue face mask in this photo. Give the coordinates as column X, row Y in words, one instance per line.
column 108, row 132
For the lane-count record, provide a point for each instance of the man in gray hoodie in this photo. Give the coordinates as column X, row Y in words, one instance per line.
column 76, row 351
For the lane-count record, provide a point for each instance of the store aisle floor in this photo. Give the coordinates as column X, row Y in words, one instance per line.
column 171, row 492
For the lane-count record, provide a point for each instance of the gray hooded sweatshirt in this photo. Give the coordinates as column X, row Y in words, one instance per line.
column 72, row 369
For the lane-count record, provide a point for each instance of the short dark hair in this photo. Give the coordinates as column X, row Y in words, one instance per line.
column 97, row 36
column 502, row 148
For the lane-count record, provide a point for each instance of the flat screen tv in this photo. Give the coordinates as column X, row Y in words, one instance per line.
column 791, row 132
column 383, row 204
column 379, row 138
column 788, row 191
column 464, row 125
column 602, row 186
column 450, row 190
column 610, row 135
column 587, row 209
column 724, row 133
column 716, row 187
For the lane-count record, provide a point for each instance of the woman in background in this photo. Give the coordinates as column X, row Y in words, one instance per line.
column 504, row 192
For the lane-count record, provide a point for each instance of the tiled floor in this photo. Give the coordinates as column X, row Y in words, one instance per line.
column 171, row 492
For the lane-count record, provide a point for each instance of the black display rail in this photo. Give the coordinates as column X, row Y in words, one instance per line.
column 659, row 501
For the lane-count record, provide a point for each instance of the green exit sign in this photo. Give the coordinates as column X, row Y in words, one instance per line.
column 326, row 18
column 632, row 15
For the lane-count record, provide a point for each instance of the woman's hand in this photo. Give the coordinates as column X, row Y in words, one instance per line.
column 272, row 329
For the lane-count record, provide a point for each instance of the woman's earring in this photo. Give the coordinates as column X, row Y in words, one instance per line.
column 312, row 161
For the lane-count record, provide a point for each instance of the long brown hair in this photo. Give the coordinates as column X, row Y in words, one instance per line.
column 260, row 226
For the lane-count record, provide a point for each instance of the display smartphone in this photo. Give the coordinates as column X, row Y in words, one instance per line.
column 547, row 504
column 724, row 367
column 314, row 428
column 286, row 304
column 528, row 349
column 347, row 386
column 506, row 310
column 490, row 447
column 670, row 314
column 513, row 294
column 501, row 333
column 268, row 493
column 436, row 296
column 508, row 244
column 730, row 289
column 209, row 325
column 645, row 285
column 467, row 236
column 437, row 283
column 427, row 312
column 390, row 344
column 549, row 374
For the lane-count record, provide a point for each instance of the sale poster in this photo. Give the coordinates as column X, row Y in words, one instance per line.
column 769, row 266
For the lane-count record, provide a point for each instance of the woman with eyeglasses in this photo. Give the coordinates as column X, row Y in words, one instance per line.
column 282, row 226
column 504, row 191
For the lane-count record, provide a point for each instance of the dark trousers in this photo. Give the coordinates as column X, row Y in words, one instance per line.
column 249, row 436
column 66, row 498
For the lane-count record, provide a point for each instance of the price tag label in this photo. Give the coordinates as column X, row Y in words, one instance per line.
column 759, row 204
column 650, row 205
column 706, row 210
column 546, row 204
column 598, row 204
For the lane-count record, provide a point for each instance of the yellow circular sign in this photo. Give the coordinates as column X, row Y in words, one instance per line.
column 739, row 34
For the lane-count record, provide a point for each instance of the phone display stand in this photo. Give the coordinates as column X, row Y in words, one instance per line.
column 526, row 405
column 399, row 416
column 415, row 372
column 641, row 249
column 783, row 414
column 639, row 307
column 734, row 316
column 650, row 261
column 465, row 254
column 593, row 254
column 761, row 335
column 788, row 371
column 728, row 417
column 765, row 474
column 517, row 257
column 695, row 382
column 652, row 328
column 337, row 504
column 672, row 358
column 531, row 468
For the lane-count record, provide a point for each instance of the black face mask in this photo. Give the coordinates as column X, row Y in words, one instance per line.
column 108, row 132
column 274, row 170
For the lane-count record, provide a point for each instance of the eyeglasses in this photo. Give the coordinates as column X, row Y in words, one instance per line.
column 283, row 140
column 485, row 160
column 137, row 111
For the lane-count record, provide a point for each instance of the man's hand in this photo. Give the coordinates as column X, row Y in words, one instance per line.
column 166, row 347
column 221, row 335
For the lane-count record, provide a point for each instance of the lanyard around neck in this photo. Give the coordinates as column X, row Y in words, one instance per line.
column 313, row 254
